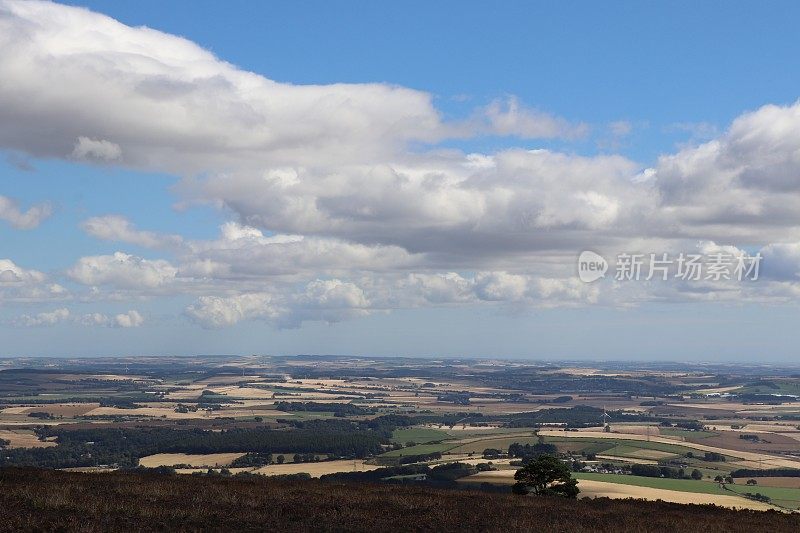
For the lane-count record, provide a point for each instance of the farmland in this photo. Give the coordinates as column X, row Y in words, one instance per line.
column 308, row 417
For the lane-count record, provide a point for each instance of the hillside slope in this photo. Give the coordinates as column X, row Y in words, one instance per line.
column 51, row 500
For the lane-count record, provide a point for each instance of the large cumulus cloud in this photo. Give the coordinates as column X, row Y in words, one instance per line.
column 343, row 198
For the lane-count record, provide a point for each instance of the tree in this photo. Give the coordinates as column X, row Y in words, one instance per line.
column 696, row 474
column 752, row 482
column 280, row 459
column 546, row 475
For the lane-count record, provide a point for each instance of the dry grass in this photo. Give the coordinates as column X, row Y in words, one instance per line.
column 209, row 460
column 603, row 489
column 769, row 481
column 316, row 469
column 24, row 438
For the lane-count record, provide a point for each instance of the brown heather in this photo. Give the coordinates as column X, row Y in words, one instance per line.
column 42, row 500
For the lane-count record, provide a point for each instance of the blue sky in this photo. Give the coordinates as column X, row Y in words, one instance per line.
column 439, row 255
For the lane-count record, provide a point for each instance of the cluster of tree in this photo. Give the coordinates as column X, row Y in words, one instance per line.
column 4, row 442
column 750, row 437
column 714, row 457
column 546, row 476
column 769, row 399
column 305, row 458
column 757, row 496
column 664, row 471
column 531, row 451
column 378, row 474
column 558, row 399
column 123, row 446
column 42, row 415
column 451, row 471
column 419, row 458
column 119, row 403
column 382, row 425
column 252, row 460
column 578, row 416
column 770, row 472
column 692, row 425
column 458, row 398
column 492, row 453
column 338, row 409
column 533, row 380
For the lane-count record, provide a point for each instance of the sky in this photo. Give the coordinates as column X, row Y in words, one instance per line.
column 415, row 179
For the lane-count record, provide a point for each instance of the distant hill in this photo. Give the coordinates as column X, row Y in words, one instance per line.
column 46, row 500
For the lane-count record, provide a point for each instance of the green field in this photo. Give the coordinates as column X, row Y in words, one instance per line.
column 419, row 449
column 682, row 485
column 500, row 443
column 789, row 498
column 418, row 435
column 781, row 387
column 780, row 496
column 639, row 452
column 594, row 445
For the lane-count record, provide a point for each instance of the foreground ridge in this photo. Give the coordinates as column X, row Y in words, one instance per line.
column 45, row 500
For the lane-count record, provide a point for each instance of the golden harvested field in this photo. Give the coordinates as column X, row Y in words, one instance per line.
column 316, row 469
column 246, row 392
column 197, row 460
column 166, row 412
column 595, row 489
column 653, row 431
column 56, row 409
column 23, row 438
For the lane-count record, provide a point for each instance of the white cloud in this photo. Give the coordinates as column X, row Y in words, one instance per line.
column 119, row 229
column 149, row 89
column 131, row 319
column 509, row 117
column 35, row 215
column 217, row 312
column 93, row 149
column 48, row 318
column 123, row 271
column 341, row 206
column 18, row 284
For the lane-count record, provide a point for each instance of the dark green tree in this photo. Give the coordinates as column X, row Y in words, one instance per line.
column 696, row 474
column 546, row 476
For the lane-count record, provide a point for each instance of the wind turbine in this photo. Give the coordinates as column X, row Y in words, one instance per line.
column 605, row 418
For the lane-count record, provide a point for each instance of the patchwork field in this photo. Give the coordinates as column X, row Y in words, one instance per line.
column 316, row 469
column 609, row 486
column 372, row 413
column 211, row 460
column 23, row 438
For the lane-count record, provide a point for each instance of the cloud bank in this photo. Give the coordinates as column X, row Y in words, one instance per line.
column 343, row 199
